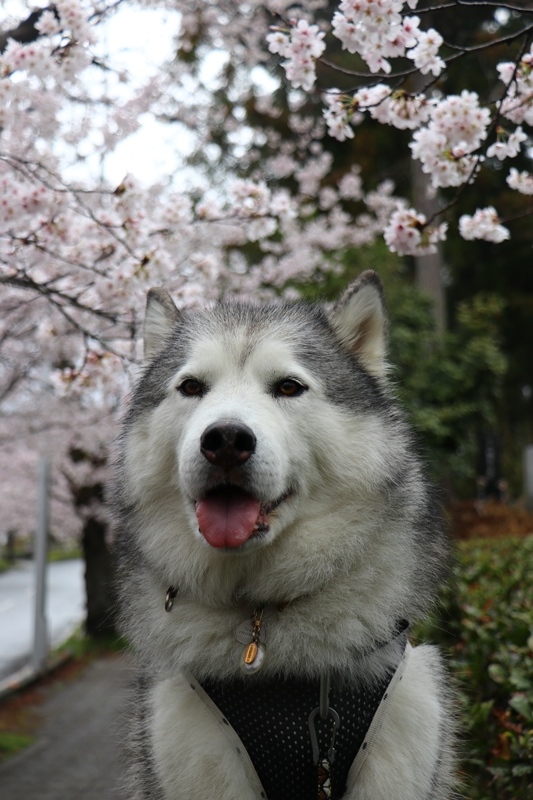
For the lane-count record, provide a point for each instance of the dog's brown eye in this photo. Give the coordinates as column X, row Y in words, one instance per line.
column 289, row 387
column 191, row 388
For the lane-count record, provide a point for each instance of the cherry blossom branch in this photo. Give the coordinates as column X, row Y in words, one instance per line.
column 26, row 31
column 491, row 3
column 34, row 170
column 493, row 126
column 24, row 281
column 406, row 73
column 511, row 37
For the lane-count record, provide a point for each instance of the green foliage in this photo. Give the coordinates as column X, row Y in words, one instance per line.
column 450, row 385
column 486, row 624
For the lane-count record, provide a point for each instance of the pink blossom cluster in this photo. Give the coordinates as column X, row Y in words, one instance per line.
column 396, row 108
column 96, row 374
column 31, row 57
column 338, row 115
column 408, row 234
column 48, row 24
column 250, row 199
column 44, row 58
column 350, row 185
column 377, row 31
column 425, row 52
column 73, row 18
column 521, row 181
column 256, row 202
column 517, row 105
column 311, row 173
column 300, row 46
column 23, row 205
column 447, row 145
column 483, row 224
column 450, row 132
column 374, row 29
column 507, row 145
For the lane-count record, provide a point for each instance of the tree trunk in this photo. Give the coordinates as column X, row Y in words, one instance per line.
column 430, row 270
column 99, row 579
column 88, row 495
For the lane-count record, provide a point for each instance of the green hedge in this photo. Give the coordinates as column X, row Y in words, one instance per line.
column 486, row 625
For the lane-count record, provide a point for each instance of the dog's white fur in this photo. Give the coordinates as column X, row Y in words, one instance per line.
column 340, row 550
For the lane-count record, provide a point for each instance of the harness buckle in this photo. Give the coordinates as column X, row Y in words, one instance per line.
column 313, row 734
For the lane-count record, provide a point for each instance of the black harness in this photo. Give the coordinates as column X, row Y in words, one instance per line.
column 272, row 720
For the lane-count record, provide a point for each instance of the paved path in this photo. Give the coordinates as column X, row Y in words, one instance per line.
column 65, row 608
column 76, row 754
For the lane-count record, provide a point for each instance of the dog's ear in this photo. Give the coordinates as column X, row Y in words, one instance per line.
column 360, row 321
column 161, row 316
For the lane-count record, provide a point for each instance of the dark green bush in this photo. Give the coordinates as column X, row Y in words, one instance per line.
column 486, row 624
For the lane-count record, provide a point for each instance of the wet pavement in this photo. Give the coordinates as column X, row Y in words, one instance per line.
column 76, row 754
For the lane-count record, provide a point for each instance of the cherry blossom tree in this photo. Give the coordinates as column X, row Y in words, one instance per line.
column 269, row 103
column 455, row 135
column 81, row 252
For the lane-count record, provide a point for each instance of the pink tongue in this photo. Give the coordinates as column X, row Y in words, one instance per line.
column 227, row 517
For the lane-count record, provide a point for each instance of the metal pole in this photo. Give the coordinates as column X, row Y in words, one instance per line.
column 40, row 641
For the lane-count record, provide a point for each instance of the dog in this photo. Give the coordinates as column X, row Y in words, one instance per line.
column 277, row 537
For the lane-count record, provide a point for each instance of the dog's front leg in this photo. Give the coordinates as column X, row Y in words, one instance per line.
column 411, row 757
column 191, row 757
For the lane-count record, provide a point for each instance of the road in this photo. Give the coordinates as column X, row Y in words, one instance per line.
column 65, row 609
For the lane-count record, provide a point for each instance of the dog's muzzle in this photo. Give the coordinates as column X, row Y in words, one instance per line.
column 228, row 515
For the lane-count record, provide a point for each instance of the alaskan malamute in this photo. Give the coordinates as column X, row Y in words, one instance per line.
column 277, row 538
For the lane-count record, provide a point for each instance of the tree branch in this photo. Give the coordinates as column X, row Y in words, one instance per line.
column 26, row 31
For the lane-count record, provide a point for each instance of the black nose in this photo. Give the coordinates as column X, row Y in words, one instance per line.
column 227, row 444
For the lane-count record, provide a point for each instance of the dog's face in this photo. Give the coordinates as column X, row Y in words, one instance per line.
column 256, row 417
column 248, row 415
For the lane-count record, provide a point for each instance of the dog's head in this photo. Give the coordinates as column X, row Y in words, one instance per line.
column 256, row 416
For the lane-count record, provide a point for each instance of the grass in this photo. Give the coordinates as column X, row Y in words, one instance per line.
column 11, row 743
column 54, row 554
column 79, row 646
column 64, row 554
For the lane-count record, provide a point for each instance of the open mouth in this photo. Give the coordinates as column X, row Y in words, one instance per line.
column 228, row 516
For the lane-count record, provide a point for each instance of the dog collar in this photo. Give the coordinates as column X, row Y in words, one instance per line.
column 252, row 633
